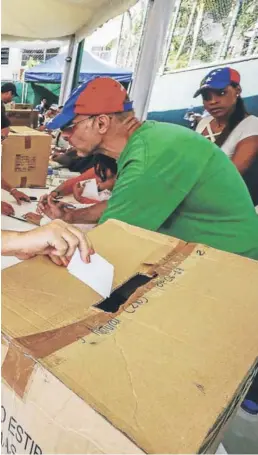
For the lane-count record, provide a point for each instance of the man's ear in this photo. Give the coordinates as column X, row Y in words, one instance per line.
column 103, row 123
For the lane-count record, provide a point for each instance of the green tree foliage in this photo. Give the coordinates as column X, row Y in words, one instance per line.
column 218, row 12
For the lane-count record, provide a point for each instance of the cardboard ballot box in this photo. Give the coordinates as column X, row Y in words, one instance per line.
column 25, row 156
column 20, row 117
column 23, row 106
column 158, row 367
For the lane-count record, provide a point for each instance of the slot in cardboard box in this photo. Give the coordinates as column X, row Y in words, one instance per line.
column 25, row 157
column 159, row 367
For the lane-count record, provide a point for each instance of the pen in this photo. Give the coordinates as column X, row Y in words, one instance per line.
column 35, row 187
column 17, row 218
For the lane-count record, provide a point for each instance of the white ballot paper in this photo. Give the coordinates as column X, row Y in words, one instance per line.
column 98, row 274
column 91, row 189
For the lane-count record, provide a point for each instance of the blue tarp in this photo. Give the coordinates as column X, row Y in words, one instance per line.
column 52, row 70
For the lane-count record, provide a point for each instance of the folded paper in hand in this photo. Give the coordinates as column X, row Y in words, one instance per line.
column 98, row 274
column 91, row 189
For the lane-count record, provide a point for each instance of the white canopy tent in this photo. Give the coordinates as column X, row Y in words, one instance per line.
column 55, row 19
column 74, row 20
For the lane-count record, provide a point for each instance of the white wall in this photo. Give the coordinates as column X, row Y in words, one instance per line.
column 175, row 90
column 12, row 70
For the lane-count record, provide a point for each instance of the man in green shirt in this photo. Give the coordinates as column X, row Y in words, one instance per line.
column 169, row 180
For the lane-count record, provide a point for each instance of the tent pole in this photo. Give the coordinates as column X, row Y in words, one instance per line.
column 151, row 53
column 72, row 68
column 78, row 62
column 66, row 83
column 23, row 87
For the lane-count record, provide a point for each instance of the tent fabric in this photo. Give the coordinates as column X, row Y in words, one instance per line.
column 151, row 55
column 55, row 19
column 53, row 69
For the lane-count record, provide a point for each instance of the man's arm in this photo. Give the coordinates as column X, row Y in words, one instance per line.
column 56, row 239
column 89, row 215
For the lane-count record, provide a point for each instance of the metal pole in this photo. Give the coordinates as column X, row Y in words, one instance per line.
column 151, row 54
column 170, row 36
column 78, row 62
column 23, row 87
column 65, row 88
column 119, row 38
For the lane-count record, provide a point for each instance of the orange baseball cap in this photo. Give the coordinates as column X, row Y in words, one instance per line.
column 99, row 95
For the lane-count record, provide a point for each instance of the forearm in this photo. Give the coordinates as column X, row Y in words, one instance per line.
column 90, row 215
column 5, row 185
column 12, row 242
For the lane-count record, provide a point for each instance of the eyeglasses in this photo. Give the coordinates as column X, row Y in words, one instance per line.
column 72, row 126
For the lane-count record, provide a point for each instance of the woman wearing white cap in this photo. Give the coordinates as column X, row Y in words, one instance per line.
column 229, row 125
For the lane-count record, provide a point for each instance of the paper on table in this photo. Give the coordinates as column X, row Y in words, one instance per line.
column 91, row 190
column 98, row 274
column 24, row 208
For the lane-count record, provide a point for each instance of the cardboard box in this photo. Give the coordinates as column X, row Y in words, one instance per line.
column 25, row 157
column 159, row 367
column 20, row 117
column 23, row 106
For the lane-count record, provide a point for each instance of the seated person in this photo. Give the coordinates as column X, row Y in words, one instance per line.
column 42, row 108
column 51, row 113
column 104, row 171
column 229, row 125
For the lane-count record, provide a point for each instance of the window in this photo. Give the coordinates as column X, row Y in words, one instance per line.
column 33, row 57
column 50, row 53
column 4, row 55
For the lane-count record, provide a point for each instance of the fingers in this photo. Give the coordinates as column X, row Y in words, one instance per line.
column 26, row 198
column 77, row 191
column 61, row 261
column 50, row 208
column 7, row 209
column 23, row 197
column 83, row 243
column 66, row 238
column 59, row 245
column 20, row 197
column 33, row 218
column 41, row 203
column 43, row 198
column 131, row 124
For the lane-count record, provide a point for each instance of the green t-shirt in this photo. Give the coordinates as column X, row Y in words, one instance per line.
column 174, row 181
